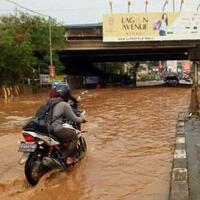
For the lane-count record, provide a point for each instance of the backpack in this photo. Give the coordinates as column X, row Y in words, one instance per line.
column 43, row 118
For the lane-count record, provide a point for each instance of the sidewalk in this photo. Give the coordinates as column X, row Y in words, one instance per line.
column 179, row 189
column 185, row 176
column 192, row 133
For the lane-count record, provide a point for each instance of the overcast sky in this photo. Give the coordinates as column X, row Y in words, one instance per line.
column 90, row 11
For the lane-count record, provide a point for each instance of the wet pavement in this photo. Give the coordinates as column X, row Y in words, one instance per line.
column 131, row 135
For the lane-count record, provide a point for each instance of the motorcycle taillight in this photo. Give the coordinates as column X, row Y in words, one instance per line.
column 28, row 137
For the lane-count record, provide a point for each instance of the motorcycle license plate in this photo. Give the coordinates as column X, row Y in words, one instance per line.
column 27, row 146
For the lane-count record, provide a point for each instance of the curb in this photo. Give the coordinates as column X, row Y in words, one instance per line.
column 179, row 189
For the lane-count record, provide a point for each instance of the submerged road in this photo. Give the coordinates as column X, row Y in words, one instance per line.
column 131, row 135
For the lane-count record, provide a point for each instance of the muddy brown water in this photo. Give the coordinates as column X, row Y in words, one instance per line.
column 130, row 138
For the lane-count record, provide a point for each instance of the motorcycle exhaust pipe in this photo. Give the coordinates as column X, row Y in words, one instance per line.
column 51, row 163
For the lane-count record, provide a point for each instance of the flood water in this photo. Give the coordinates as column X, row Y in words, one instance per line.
column 130, row 138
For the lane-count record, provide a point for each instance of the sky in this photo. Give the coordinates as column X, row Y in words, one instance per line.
column 91, row 11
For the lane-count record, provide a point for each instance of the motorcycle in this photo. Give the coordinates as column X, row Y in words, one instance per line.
column 42, row 152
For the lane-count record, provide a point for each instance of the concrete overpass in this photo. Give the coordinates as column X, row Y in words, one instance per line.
column 84, row 43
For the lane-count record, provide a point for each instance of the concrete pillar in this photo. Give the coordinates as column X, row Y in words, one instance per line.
column 196, row 72
column 134, row 79
column 194, row 104
column 134, row 74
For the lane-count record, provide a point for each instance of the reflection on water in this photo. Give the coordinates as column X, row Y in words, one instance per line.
column 130, row 143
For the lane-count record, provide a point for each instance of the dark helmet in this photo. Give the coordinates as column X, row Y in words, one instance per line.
column 63, row 91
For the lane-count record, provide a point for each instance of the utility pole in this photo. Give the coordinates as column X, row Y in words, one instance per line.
column 146, row 5
column 111, row 8
column 173, row 5
column 198, row 7
column 163, row 9
column 16, row 12
column 182, row 2
column 129, row 4
column 50, row 42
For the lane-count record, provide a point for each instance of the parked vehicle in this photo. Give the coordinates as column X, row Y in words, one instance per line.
column 171, row 80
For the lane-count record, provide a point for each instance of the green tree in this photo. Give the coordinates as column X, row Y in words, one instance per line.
column 24, row 46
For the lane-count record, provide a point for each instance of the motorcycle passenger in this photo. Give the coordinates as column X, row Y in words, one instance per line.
column 59, row 84
column 61, row 112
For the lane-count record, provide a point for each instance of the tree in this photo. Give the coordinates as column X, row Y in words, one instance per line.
column 15, row 59
column 24, row 46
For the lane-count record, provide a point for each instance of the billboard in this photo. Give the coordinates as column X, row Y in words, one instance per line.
column 151, row 26
column 187, row 66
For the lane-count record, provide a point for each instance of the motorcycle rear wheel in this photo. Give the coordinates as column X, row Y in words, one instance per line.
column 34, row 168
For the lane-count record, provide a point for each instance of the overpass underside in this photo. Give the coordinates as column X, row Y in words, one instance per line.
column 85, row 44
column 124, row 54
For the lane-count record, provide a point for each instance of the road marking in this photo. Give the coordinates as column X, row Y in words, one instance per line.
column 180, row 153
column 180, row 124
column 180, row 140
column 179, row 174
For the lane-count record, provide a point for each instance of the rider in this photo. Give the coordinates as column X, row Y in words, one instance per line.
column 62, row 112
column 59, row 84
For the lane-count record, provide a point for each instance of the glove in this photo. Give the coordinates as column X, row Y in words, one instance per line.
column 84, row 120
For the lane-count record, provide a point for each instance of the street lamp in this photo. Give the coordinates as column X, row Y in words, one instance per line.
column 146, row 4
column 182, row 2
column 173, row 5
column 50, row 31
column 166, row 2
column 110, row 4
column 129, row 4
column 198, row 7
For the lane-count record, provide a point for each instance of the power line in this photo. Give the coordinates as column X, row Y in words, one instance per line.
column 59, row 10
column 80, row 9
column 28, row 9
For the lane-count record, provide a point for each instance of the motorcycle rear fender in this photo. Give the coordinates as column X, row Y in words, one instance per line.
column 50, row 141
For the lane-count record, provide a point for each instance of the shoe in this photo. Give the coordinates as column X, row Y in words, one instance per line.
column 71, row 160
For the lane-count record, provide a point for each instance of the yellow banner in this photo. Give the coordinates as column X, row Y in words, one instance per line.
column 56, row 78
column 150, row 26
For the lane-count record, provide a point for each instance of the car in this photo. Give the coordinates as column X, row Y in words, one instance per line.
column 171, row 80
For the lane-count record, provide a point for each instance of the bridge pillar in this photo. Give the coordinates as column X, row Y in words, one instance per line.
column 196, row 69
column 134, row 74
column 194, row 54
column 194, row 104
